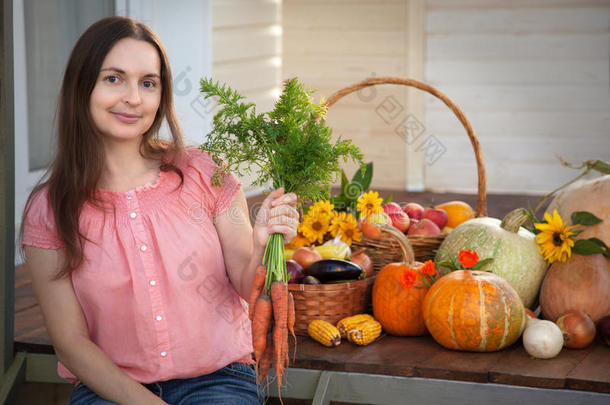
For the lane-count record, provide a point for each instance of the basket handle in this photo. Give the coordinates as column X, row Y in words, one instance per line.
column 481, row 209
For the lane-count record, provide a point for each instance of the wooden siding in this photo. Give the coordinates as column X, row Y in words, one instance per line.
column 247, row 52
column 332, row 44
column 533, row 78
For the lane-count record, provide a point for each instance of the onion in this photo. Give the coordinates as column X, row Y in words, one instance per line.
column 295, row 271
column 577, row 328
column 364, row 261
column 305, row 256
column 603, row 326
column 542, row 339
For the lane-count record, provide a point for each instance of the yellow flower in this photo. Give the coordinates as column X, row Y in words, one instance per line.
column 345, row 225
column 336, row 221
column 321, row 207
column 370, row 203
column 554, row 238
column 300, row 240
column 315, row 227
column 349, row 232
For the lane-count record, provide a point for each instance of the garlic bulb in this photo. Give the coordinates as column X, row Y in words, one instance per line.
column 542, row 339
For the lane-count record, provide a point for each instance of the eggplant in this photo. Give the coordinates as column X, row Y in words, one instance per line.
column 334, row 269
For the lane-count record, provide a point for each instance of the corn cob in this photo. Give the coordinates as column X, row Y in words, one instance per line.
column 332, row 251
column 324, row 332
column 351, row 322
column 364, row 333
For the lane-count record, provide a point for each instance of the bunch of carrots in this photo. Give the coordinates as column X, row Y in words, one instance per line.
column 271, row 309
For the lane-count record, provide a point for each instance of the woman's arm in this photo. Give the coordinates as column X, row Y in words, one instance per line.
column 243, row 247
column 67, row 328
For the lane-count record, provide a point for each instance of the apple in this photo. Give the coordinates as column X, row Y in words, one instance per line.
column 368, row 224
column 437, row 215
column 424, row 227
column 400, row 221
column 413, row 210
column 391, row 208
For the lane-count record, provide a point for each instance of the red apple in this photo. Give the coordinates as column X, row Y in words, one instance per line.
column 400, row 221
column 424, row 227
column 413, row 210
column 437, row 215
column 391, row 208
column 368, row 224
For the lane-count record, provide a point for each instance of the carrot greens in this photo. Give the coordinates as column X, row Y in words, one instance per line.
column 290, row 146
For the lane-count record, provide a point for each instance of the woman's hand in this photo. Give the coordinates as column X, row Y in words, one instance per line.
column 277, row 214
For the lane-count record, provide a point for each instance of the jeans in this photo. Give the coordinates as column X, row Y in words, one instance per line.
column 233, row 384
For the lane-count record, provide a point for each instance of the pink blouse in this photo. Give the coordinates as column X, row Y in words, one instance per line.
column 154, row 288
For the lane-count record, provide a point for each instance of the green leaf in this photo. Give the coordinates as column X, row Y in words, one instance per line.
column 587, row 247
column 344, row 182
column 363, row 180
column 482, row 263
column 584, row 218
column 601, row 166
column 450, row 265
column 388, row 199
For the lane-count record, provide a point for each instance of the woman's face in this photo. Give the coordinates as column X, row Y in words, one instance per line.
column 127, row 92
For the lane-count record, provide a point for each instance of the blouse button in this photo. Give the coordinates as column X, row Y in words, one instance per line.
column 132, row 215
column 153, row 282
column 164, row 353
column 143, row 248
column 159, row 317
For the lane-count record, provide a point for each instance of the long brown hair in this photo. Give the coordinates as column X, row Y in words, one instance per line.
column 75, row 172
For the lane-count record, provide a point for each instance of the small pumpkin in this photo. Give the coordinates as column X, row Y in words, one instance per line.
column 581, row 283
column 513, row 248
column 397, row 308
column 474, row 311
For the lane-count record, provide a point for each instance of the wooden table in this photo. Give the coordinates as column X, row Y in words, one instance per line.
column 393, row 370
column 574, row 374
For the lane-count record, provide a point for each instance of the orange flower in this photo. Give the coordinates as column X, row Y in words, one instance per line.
column 428, row 268
column 468, row 258
column 407, row 278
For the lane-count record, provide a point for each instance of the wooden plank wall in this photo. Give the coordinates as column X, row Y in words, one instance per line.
column 247, row 51
column 332, row 44
column 533, row 78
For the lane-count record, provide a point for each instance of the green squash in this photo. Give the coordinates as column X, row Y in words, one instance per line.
column 513, row 248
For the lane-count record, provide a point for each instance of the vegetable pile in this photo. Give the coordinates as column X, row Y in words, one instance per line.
column 289, row 147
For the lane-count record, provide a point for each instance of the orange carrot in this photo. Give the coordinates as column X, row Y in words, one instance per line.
column 257, row 287
column 291, row 319
column 260, row 324
column 279, row 298
column 265, row 362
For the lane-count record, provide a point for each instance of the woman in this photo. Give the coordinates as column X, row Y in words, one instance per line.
column 142, row 266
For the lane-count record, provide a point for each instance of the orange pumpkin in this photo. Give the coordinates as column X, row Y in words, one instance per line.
column 397, row 308
column 474, row 311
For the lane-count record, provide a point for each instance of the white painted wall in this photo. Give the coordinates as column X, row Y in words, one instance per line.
column 532, row 77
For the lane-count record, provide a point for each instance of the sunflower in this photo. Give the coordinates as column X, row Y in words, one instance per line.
column 370, row 203
column 315, row 227
column 554, row 238
column 300, row 240
column 321, row 207
column 336, row 221
column 349, row 232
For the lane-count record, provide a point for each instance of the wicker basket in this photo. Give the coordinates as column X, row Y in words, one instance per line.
column 329, row 302
column 386, row 250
